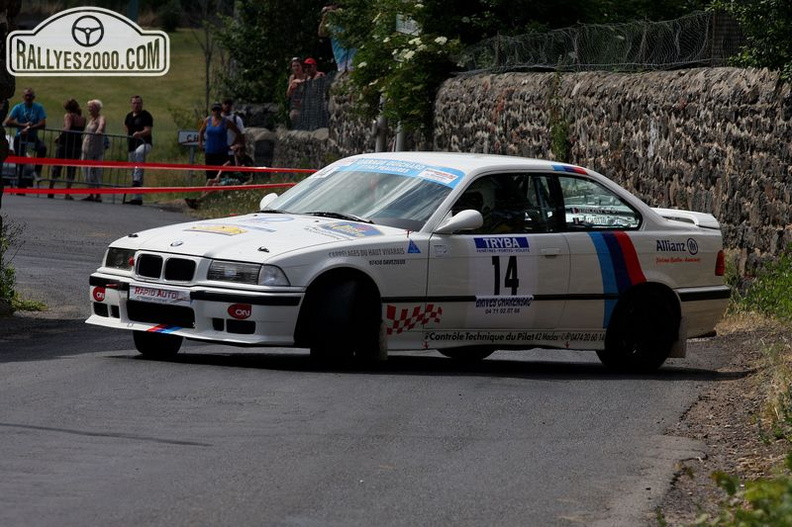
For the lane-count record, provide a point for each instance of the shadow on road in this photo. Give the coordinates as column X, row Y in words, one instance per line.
column 31, row 339
column 430, row 365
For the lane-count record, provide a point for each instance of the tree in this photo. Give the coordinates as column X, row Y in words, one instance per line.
column 207, row 15
column 261, row 37
column 766, row 26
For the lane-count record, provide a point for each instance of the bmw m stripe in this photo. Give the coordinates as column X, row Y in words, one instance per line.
column 162, row 328
column 619, row 266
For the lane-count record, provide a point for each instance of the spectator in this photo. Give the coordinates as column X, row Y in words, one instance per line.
column 294, row 91
column 28, row 117
column 138, row 124
column 225, row 178
column 69, row 142
column 93, row 147
column 311, row 72
column 327, row 29
column 233, row 139
column 213, row 139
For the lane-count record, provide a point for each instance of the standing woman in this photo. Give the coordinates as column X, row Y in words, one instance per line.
column 294, row 91
column 68, row 142
column 93, row 147
column 213, row 139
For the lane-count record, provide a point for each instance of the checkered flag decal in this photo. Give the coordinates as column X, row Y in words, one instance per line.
column 406, row 320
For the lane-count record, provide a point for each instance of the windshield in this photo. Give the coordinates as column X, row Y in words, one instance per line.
column 397, row 200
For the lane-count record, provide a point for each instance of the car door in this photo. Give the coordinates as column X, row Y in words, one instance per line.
column 602, row 230
column 509, row 276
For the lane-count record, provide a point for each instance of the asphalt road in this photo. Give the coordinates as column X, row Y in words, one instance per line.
column 92, row 434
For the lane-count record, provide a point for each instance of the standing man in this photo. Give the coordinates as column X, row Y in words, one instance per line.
column 28, row 117
column 138, row 124
column 310, row 69
column 233, row 143
column 343, row 56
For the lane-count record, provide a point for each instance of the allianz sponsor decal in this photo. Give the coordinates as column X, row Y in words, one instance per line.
column 690, row 246
column 502, row 244
column 87, row 41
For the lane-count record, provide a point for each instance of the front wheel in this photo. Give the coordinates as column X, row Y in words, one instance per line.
column 641, row 334
column 157, row 345
column 346, row 322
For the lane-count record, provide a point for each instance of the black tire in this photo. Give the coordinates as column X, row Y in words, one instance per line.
column 469, row 354
column 345, row 322
column 641, row 333
column 157, row 345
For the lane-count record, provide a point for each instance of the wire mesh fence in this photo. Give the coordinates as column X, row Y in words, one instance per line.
column 313, row 96
column 698, row 39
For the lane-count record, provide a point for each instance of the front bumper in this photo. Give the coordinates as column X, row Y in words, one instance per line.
column 214, row 314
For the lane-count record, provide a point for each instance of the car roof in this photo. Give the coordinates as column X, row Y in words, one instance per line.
column 468, row 162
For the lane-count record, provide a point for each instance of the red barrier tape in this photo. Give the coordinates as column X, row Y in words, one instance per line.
column 160, row 166
column 140, row 190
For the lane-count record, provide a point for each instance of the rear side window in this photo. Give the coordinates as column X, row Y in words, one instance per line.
column 590, row 206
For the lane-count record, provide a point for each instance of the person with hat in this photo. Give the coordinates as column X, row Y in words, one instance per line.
column 213, row 138
column 311, row 71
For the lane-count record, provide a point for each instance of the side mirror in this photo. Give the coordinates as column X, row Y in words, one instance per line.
column 466, row 220
column 266, row 200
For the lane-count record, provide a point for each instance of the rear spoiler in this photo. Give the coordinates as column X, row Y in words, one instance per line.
column 699, row 219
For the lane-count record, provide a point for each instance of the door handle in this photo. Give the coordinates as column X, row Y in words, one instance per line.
column 550, row 251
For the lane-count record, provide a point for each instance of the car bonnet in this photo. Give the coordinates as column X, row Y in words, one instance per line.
column 254, row 237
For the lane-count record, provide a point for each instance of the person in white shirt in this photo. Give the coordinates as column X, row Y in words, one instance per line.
column 228, row 113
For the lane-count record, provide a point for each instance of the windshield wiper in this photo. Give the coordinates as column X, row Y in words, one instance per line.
column 340, row 216
column 273, row 211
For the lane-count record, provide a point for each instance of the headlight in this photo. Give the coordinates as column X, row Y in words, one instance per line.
column 246, row 273
column 271, row 275
column 118, row 258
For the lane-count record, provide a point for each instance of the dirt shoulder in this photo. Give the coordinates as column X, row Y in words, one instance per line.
column 727, row 418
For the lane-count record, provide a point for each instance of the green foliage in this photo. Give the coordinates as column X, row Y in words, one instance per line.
column 560, row 143
column 768, row 292
column 759, row 503
column 399, row 60
column 766, row 26
column 170, row 15
column 10, row 236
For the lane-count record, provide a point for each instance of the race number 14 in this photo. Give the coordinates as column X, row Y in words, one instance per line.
column 510, row 280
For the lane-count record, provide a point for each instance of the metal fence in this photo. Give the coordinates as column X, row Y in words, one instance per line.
column 43, row 176
column 699, row 39
column 314, row 95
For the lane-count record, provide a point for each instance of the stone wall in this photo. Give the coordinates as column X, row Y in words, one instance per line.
column 715, row 140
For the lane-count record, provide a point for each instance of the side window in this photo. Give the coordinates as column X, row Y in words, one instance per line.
column 512, row 203
column 589, row 206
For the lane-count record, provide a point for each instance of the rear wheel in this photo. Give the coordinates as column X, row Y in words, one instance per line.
column 469, row 354
column 157, row 345
column 641, row 333
column 345, row 322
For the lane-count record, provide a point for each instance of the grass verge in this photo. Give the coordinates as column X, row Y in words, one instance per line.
column 764, row 501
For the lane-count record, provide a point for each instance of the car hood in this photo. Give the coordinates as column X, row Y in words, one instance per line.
column 253, row 237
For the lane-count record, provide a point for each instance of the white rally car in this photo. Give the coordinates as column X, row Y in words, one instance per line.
column 461, row 253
